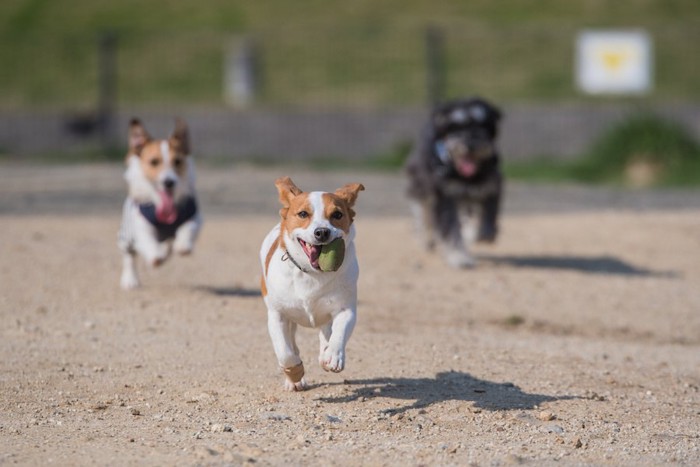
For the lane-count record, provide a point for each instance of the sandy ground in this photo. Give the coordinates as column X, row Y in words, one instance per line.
column 575, row 340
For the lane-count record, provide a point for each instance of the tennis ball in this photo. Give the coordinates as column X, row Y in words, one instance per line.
column 332, row 255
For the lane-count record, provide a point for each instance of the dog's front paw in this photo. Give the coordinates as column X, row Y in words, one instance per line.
column 183, row 247
column 295, row 387
column 294, row 378
column 183, row 251
column 459, row 259
column 129, row 281
column 332, row 360
column 162, row 254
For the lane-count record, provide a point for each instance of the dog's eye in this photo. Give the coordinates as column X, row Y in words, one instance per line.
column 303, row 214
column 337, row 215
column 155, row 162
column 177, row 163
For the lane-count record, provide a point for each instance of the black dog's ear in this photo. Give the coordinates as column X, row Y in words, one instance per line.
column 493, row 113
column 496, row 113
column 494, row 118
column 440, row 118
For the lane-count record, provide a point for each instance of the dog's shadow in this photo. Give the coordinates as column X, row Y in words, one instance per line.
column 230, row 291
column 590, row 265
column 446, row 386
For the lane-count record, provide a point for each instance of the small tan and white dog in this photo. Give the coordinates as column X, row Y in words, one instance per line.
column 160, row 212
column 295, row 287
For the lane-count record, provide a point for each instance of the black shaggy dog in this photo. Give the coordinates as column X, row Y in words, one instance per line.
column 455, row 177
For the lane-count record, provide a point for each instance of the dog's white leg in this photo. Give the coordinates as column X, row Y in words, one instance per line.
column 458, row 256
column 324, row 336
column 129, row 279
column 155, row 253
column 467, row 221
column 422, row 216
column 333, row 356
column 186, row 235
column 283, row 342
column 456, row 243
column 456, row 252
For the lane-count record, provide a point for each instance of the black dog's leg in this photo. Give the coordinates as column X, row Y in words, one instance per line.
column 488, row 222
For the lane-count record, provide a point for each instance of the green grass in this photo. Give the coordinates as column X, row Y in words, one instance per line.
column 642, row 150
column 317, row 53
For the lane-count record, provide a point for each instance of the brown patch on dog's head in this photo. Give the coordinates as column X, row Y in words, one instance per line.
column 152, row 153
column 338, row 205
column 296, row 209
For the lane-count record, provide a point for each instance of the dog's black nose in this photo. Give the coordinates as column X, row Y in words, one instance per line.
column 322, row 234
column 169, row 183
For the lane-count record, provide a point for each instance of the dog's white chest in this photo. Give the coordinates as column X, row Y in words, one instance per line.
column 303, row 300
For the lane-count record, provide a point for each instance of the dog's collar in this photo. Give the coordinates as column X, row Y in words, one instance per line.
column 286, row 256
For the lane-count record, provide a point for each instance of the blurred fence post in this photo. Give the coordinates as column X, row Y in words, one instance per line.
column 435, row 65
column 107, row 87
column 241, row 73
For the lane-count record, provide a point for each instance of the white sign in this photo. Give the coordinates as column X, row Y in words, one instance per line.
column 614, row 62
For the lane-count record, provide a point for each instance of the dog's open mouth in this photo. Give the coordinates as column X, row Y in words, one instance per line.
column 166, row 211
column 466, row 167
column 312, row 251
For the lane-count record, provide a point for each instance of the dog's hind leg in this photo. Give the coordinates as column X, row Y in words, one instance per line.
column 129, row 279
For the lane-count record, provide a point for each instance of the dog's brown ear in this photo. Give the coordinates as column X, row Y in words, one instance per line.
column 287, row 191
column 138, row 137
column 180, row 139
column 349, row 192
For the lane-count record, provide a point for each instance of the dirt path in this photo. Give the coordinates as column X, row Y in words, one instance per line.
column 576, row 339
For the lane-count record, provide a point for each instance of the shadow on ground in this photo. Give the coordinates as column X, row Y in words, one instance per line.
column 590, row 265
column 230, row 291
column 446, row 386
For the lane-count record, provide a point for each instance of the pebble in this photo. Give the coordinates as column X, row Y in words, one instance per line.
column 220, row 428
column 276, row 416
column 555, row 429
column 545, row 416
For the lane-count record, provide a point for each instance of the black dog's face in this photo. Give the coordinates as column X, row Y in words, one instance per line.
column 465, row 134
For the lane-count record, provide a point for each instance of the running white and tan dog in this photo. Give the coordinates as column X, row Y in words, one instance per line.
column 299, row 287
column 160, row 212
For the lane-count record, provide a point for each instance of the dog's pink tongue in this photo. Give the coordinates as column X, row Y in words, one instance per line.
column 165, row 211
column 466, row 168
column 313, row 252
